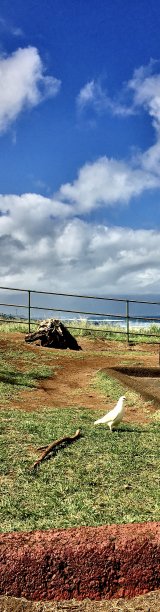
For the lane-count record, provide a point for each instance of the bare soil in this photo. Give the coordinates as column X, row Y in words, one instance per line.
column 74, row 374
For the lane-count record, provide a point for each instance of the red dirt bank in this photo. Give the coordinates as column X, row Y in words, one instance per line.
column 102, row 562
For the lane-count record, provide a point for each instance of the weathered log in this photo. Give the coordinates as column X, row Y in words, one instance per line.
column 55, row 443
column 53, row 334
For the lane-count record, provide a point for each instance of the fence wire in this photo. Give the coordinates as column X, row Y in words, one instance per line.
column 127, row 318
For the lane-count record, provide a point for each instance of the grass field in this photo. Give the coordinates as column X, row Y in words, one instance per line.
column 14, row 379
column 101, row 478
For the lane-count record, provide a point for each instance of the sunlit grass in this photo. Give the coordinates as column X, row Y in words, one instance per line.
column 109, row 331
column 101, row 478
column 113, row 389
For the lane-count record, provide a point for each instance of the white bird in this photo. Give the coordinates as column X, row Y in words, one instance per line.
column 114, row 416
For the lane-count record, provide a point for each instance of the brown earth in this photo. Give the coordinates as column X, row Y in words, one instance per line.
column 143, row 603
column 72, row 382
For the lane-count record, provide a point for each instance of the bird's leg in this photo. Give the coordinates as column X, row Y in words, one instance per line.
column 110, row 427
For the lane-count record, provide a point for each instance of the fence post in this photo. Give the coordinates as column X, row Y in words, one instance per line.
column 29, row 311
column 127, row 318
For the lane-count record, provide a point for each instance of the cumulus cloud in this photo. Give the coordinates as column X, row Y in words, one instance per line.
column 23, row 84
column 107, row 182
column 76, row 256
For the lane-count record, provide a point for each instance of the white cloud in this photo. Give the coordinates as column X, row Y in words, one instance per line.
column 107, row 182
column 30, row 214
column 23, row 84
column 75, row 256
column 93, row 94
column 145, row 85
column 142, row 90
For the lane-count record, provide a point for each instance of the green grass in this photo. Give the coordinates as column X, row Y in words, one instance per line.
column 13, row 326
column 101, row 478
column 107, row 331
column 113, row 389
column 82, row 328
column 15, row 377
column 108, row 385
column 12, row 382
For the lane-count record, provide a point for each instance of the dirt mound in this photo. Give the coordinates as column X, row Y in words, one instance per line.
column 95, row 562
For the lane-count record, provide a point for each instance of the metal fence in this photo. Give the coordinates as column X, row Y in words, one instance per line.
column 125, row 317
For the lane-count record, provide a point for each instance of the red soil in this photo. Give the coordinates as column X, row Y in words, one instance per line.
column 102, row 562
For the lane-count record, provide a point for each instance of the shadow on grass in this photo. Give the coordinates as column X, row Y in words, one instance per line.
column 145, row 429
column 128, row 429
column 54, row 451
column 23, row 379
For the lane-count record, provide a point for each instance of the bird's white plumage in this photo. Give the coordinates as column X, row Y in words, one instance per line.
column 115, row 416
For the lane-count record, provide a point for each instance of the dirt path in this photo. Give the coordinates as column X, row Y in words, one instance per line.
column 72, row 383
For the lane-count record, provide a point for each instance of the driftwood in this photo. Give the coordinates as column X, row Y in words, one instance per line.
column 50, row 447
column 53, row 334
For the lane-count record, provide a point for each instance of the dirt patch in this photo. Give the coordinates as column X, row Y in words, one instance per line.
column 71, row 384
column 143, row 603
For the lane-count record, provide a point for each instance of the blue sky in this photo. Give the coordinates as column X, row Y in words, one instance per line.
column 80, row 146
